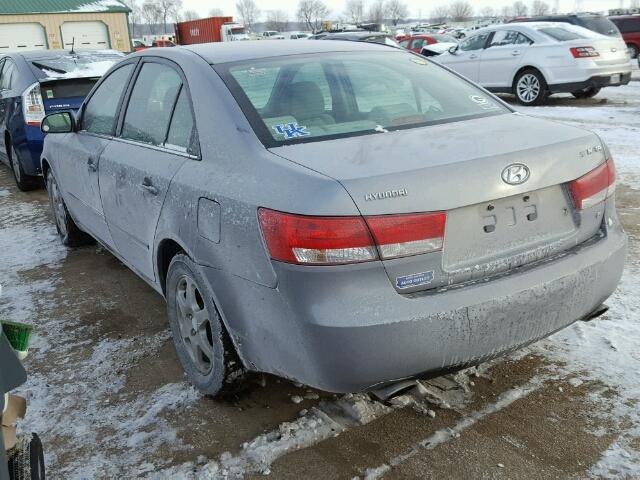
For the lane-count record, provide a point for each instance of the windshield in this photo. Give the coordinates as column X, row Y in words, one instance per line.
column 80, row 64
column 322, row 96
column 601, row 25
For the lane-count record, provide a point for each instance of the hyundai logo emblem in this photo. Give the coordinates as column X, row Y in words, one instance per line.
column 515, row 174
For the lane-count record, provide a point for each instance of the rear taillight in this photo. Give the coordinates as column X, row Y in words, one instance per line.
column 316, row 240
column 32, row 105
column 594, row 187
column 404, row 235
column 584, row 52
column 310, row 240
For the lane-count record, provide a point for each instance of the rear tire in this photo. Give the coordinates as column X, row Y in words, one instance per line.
column 205, row 351
column 70, row 234
column 588, row 93
column 27, row 460
column 24, row 182
column 530, row 88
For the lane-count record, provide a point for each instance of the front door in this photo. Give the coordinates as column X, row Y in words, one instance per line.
column 136, row 169
column 466, row 60
column 77, row 170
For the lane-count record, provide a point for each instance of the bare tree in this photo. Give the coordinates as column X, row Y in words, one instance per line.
column 440, row 14
column 354, row 11
column 216, row 12
column 506, row 11
column 168, row 9
column 488, row 12
column 151, row 14
column 134, row 15
column 397, row 10
column 249, row 12
column 189, row 15
column 461, row 10
column 520, row 9
column 311, row 13
column 378, row 11
column 277, row 20
column 539, row 8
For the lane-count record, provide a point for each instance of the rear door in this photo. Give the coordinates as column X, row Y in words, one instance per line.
column 76, row 167
column 156, row 137
column 502, row 58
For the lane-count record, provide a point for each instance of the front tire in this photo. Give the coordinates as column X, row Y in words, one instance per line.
column 203, row 347
column 633, row 51
column 530, row 88
column 588, row 93
column 27, row 460
column 24, row 182
column 70, row 234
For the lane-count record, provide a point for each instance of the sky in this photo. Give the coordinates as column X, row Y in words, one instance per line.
column 417, row 8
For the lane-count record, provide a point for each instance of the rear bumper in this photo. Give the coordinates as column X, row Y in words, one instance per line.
column 346, row 329
column 599, row 81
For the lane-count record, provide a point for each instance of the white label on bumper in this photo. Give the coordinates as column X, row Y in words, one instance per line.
column 614, row 79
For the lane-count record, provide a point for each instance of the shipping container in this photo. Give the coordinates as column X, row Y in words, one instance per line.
column 204, row 30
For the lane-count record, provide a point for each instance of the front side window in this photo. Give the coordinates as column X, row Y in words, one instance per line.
column 333, row 95
column 100, row 112
column 151, row 104
column 418, row 43
column 477, row 42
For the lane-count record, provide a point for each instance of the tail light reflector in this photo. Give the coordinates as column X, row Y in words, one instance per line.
column 594, row 187
column 404, row 235
column 584, row 52
column 316, row 240
column 311, row 240
column 32, row 105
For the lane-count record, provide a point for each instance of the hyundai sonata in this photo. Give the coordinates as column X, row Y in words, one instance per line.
column 344, row 214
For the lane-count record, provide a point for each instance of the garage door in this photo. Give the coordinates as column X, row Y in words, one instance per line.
column 93, row 35
column 17, row 37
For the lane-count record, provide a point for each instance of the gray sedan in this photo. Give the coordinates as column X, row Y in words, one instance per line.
column 343, row 214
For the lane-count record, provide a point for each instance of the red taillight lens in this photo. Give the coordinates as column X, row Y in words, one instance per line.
column 404, row 235
column 584, row 52
column 338, row 240
column 32, row 105
column 316, row 240
column 594, row 187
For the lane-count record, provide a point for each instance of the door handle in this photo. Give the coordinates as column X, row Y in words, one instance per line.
column 515, row 53
column 92, row 165
column 472, row 56
column 148, row 187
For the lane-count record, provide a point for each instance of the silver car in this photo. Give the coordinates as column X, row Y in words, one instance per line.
column 339, row 213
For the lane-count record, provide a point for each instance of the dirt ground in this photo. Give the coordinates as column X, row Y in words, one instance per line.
column 107, row 394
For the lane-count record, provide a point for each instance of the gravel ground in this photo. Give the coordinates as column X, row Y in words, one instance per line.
column 109, row 398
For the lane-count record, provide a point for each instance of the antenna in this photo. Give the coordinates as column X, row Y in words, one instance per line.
column 73, row 44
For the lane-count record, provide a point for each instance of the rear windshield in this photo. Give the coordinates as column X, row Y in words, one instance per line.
column 76, row 65
column 601, row 25
column 324, row 96
column 561, row 34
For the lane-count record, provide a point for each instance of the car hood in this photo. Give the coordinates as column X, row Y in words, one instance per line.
column 450, row 165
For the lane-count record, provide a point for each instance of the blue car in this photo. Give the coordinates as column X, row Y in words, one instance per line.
column 34, row 84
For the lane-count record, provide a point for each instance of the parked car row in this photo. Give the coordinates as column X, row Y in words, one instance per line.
column 251, row 185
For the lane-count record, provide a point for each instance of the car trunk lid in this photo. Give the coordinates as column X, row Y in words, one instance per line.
column 457, row 168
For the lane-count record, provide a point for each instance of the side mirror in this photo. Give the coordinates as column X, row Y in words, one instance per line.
column 453, row 50
column 62, row 122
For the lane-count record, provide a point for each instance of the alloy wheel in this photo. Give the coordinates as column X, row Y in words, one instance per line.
column 57, row 204
column 194, row 323
column 528, row 88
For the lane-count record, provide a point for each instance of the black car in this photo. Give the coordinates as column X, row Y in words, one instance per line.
column 591, row 21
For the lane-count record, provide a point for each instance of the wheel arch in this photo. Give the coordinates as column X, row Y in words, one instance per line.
column 45, row 167
column 528, row 67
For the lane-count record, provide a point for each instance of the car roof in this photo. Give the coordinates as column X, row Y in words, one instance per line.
column 225, row 52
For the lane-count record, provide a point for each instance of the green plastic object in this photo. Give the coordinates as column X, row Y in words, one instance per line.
column 18, row 334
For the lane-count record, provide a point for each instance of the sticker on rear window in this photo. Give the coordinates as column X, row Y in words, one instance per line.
column 415, row 280
column 49, row 93
column 291, row 130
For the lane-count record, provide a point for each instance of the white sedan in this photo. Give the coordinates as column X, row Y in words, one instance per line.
column 535, row 60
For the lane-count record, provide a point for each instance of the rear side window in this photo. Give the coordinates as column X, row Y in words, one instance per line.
column 182, row 135
column 100, row 112
column 8, row 74
column 560, row 34
column 151, row 104
column 502, row 38
column 323, row 96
